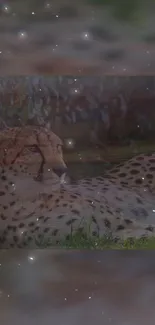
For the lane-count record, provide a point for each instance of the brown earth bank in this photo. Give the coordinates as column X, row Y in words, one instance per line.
column 72, row 287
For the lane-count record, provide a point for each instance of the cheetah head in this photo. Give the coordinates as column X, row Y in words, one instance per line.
column 52, row 147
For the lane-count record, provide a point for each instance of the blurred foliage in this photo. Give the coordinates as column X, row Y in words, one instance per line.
column 125, row 10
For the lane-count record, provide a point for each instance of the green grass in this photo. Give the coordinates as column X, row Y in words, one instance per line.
column 109, row 243
column 83, row 241
column 82, row 238
column 114, row 154
column 123, row 10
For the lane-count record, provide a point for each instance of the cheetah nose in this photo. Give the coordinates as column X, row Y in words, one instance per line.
column 60, row 171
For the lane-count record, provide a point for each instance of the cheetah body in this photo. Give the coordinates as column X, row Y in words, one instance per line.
column 137, row 172
column 101, row 205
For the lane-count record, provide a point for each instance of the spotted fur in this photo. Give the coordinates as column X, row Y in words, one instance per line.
column 138, row 172
column 19, row 144
column 100, row 206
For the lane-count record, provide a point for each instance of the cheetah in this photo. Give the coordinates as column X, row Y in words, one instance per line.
column 56, row 216
column 138, row 172
column 97, row 206
column 15, row 141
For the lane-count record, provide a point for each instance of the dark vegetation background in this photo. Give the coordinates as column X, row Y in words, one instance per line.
column 96, row 110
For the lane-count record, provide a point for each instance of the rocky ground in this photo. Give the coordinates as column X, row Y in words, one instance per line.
column 62, row 38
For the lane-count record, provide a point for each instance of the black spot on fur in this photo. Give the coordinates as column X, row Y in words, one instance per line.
column 140, row 158
column 41, row 218
column 2, row 193
column 94, row 233
column 120, row 227
column 12, row 203
column 99, row 178
column 46, row 219
column 128, row 221
column 46, row 230
column 152, row 169
column 118, row 199
column 9, row 227
column 21, row 225
column 29, row 238
column 2, row 239
column 138, row 181
column 107, row 223
column 135, row 212
column 31, row 224
column 80, row 230
column 149, row 228
column 75, row 211
column 109, row 211
column 113, row 171
column 135, row 164
column 70, row 222
column 14, row 228
column 73, row 196
column 124, row 183
column 94, row 220
column 139, row 200
column 152, row 160
column 122, row 175
column 15, row 238
column 149, row 176
column 134, row 171
column 2, row 216
column 50, row 196
column 144, row 212
column 41, row 206
column 12, row 245
column 54, row 233
column 3, row 178
column 61, row 216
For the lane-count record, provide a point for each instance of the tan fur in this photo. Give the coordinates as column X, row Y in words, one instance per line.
column 14, row 141
column 138, row 172
column 97, row 206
